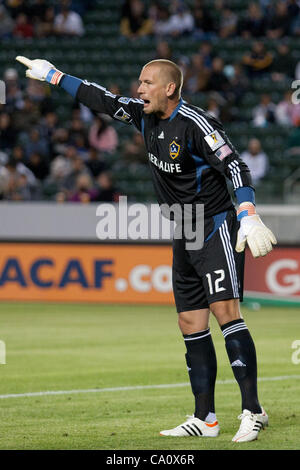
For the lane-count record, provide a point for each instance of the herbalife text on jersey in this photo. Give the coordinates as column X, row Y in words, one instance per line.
column 138, row 221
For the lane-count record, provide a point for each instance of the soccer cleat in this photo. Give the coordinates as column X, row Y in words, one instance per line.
column 251, row 424
column 193, row 427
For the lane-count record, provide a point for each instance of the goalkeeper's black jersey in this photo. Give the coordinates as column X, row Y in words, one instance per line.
column 189, row 154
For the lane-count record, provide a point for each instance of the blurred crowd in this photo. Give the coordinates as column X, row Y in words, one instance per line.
column 42, row 157
column 273, row 19
column 41, row 18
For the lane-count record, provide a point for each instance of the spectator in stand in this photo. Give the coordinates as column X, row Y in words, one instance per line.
column 85, row 191
column 77, row 129
column 164, row 51
column 26, row 117
column 134, row 21
column 280, row 21
column 37, row 11
column 181, row 21
column 45, row 27
column 7, row 132
column 17, row 154
column 48, row 126
column 106, row 190
column 36, row 144
column 81, row 145
column 114, row 88
column 36, row 90
column 197, row 76
column 205, row 51
column 293, row 141
column 293, row 8
column 287, row 113
column 133, row 89
column 204, row 24
column 218, row 80
column 19, row 182
column 295, row 26
column 39, row 166
column 227, row 24
column 16, row 7
column 284, row 64
column 38, row 93
column 7, row 24
column 54, row 184
column 213, row 107
column 259, row 61
column 134, row 150
column 297, row 71
column 256, row 160
column 254, row 24
column 238, row 85
column 264, row 113
column 68, row 22
column 14, row 95
column 77, row 167
column 160, row 17
column 183, row 63
column 103, row 136
column 23, row 28
column 59, row 141
column 94, row 162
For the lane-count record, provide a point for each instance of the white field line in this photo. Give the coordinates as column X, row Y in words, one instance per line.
column 136, row 387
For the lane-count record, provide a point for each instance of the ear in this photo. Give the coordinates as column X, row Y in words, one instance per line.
column 171, row 87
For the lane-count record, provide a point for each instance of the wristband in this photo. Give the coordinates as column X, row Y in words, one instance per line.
column 245, row 209
column 54, row 76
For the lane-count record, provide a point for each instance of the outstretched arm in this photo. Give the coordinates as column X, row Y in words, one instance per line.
column 92, row 95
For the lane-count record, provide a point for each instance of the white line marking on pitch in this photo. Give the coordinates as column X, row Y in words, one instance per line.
column 135, row 387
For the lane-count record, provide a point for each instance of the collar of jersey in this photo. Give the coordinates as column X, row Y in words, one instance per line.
column 176, row 110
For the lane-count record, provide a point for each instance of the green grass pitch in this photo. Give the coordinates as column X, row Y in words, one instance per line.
column 52, row 347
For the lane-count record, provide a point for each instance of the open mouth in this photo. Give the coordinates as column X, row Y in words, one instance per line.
column 146, row 103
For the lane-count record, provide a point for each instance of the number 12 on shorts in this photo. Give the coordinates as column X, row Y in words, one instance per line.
column 215, row 287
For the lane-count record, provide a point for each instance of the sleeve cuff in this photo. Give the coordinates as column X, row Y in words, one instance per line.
column 70, row 84
column 245, row 194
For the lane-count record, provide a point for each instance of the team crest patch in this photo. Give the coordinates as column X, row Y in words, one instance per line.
column 214, row 140
column 174, row 149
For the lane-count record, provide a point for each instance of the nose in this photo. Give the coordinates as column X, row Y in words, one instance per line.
column 140, row 89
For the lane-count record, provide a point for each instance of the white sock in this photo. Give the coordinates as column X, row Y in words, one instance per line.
column 211, row 417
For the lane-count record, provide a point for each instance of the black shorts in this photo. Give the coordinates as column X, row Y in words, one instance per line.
column 214, row 272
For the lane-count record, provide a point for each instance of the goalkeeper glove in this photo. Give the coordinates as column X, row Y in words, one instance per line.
column 253, row 231
column 39, row 69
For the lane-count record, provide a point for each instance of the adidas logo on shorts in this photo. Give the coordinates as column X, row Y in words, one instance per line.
column 238, row 363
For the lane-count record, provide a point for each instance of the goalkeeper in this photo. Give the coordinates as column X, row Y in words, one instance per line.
column 190, row 158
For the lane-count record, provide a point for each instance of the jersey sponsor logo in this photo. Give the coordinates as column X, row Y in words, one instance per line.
column 123, row 116
column 164, row 166
column 214, row 140
column 174, row 149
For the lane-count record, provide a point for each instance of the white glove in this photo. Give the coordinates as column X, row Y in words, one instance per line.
column 256, row 234
column 40, row 69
